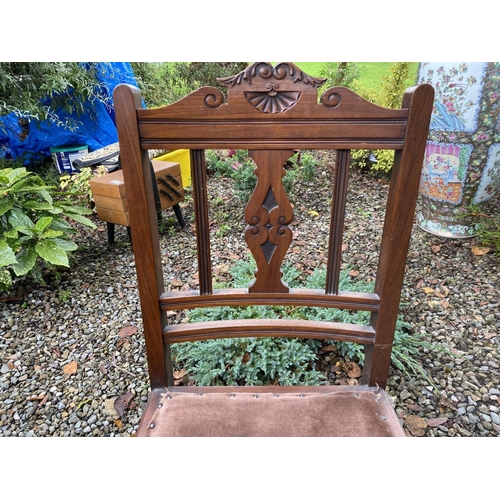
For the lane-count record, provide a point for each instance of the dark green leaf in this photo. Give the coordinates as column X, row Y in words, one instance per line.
column 19, row 220
column 48, row 250
column 42, row 224
column 6, row 204
column 50, row 233
column 26, row 259
column 66, row 245
column 82, row 220
column 60, row 224
column 7, row 256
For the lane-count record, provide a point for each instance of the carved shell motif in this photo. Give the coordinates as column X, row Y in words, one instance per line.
column 272, row 100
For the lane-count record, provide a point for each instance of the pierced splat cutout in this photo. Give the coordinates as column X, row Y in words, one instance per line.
column 268, row 215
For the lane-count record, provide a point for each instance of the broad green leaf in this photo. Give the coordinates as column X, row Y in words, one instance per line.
column 11, row 234
column 82, row 220
column 19, row 220
column 46, row 196
column 74, row 209
column 60, row 224
column 42, row 224
column 18, row 185
column 50, row 233
column 66, row 245
column 49, row 251
column 12, row 175
column 56, row 210
column 37, row 205
column 26, row 259
column 6, row 204
column 7, row 256
column 43, row 190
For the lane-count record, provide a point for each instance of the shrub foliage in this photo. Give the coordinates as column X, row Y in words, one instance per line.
column 34, row 228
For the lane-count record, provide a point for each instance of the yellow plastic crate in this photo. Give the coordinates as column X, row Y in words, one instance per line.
column 182, row 157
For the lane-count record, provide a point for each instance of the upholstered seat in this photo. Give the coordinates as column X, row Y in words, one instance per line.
column 336, row 411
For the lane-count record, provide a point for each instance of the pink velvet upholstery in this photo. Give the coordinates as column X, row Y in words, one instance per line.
column 305, row 411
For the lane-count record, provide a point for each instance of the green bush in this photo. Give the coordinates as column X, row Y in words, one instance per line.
column 393, row 85
column 34, row 230
column 340, row 74
column 41, row 90
column 78, row 185
column 237, row 165
column 487, row 227
column 284, row 361
column 162, row 83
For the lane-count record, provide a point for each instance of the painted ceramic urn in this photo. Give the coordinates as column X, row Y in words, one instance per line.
column 462, row 157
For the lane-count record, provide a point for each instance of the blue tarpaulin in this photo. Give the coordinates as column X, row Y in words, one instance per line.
column 96, row 129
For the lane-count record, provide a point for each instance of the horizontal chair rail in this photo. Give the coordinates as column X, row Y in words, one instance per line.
column 239, row 297
column 268, row 389
column 206, row 330
column 268, row 144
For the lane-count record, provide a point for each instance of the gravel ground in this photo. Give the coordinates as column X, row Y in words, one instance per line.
column 72, row 359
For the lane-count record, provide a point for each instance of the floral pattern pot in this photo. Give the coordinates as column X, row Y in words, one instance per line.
column 462, row 158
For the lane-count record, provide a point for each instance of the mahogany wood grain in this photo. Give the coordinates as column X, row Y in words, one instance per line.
column 199, row 179
column 272, row 111
column 144, row 230
column 299, row 297
column 326, row 330
column 334, row 259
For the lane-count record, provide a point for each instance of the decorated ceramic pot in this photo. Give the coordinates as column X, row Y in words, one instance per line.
column 462, row 157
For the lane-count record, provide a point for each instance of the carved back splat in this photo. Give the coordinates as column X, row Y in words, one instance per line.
column 268, row 215
column 272, row 111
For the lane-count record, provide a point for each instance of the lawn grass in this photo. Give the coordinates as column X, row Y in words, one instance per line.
column 370, row 73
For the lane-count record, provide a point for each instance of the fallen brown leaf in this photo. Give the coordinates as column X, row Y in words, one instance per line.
column 435, row 422
column 37, row 398
column 127, row 331
column 328, row 348
column 70, row 368
column 353, row 274
column 123, row 403
column 353, row 370
column 435, row 248
column 480, row 250
column 121, row 343
column 415, row 407
column 416, row 425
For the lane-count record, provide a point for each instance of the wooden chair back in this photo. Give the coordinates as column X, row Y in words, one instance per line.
column 271, row 112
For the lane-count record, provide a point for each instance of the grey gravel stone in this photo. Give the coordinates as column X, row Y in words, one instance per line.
column 46, row 330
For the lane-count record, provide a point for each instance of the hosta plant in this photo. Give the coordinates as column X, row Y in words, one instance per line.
column 35, row 231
